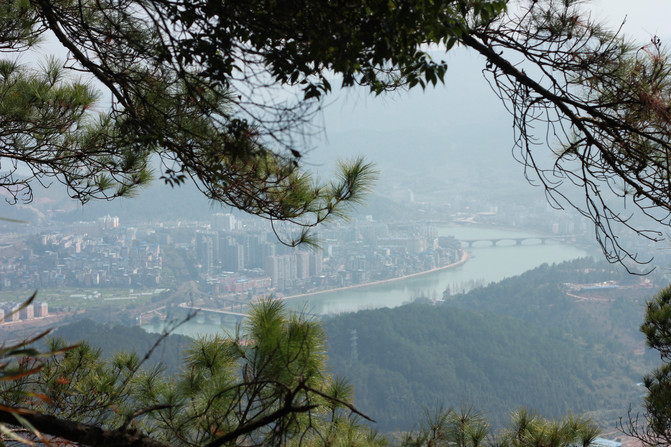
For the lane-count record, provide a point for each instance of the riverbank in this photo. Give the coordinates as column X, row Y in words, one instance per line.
column 465, row 256
column 485, row 264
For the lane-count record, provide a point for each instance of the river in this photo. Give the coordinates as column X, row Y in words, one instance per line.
column 486, row 264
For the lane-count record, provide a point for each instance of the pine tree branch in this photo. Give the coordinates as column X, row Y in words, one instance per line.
column 261, row 422
column 79, row 432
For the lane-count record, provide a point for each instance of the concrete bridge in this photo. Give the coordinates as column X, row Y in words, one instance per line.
column 222, row 312
column 517, row 240
column 239, row 315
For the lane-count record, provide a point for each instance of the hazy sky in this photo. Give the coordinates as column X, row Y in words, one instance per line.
column 357, row 109
column 644, row 18
column 465, row 105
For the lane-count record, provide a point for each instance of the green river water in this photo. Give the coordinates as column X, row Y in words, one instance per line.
column 486, row 264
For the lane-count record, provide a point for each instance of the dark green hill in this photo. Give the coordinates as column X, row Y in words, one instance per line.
column 113, row 339
column 560, row 296
column 419, row 356
column 531, row 340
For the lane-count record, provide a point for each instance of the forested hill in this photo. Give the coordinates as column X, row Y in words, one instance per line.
column 419, row 356
column 113, row 339
column 560, row 296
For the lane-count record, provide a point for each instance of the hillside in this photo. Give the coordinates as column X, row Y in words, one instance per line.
column 520, row 342
column 563, row 297
column 112, row 339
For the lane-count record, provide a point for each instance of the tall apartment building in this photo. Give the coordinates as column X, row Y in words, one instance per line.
column 207, row 250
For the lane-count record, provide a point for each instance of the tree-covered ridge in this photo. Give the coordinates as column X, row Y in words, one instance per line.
column 405, row 361
column 559, row 296
column 519, row 342
column 115, row 339
column 420, row 356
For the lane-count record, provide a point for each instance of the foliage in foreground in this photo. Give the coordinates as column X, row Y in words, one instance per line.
column 18, row 360
column 466, row 428
column 265, row 387
column 654, row 426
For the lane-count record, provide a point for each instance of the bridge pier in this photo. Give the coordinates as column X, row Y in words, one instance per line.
column 469, row 243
